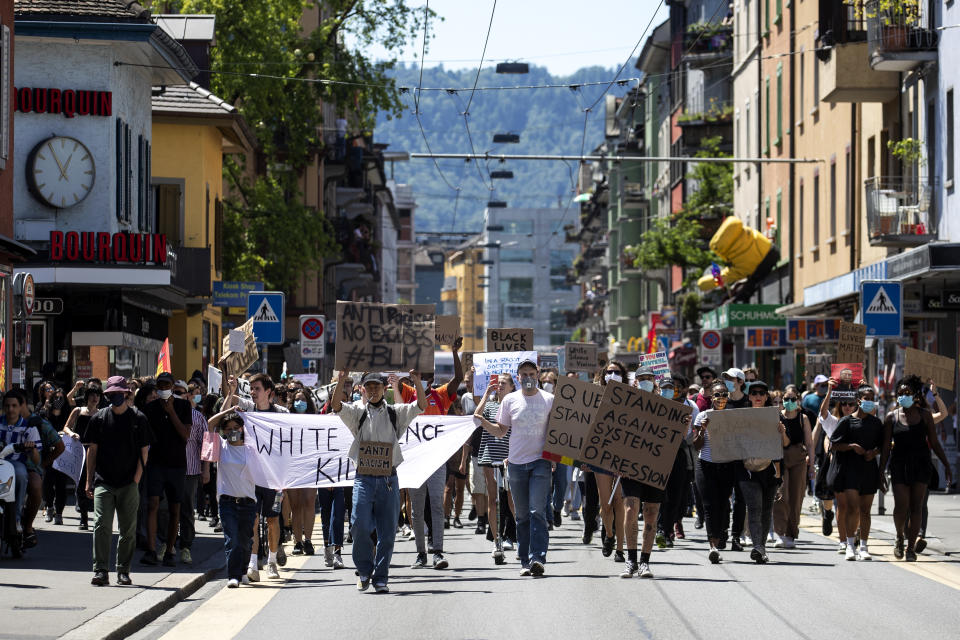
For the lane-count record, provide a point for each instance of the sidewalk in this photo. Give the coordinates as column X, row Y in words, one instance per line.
column 48, row 593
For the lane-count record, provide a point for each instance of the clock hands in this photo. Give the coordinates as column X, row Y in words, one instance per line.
column 63, row 174
column 67, row 165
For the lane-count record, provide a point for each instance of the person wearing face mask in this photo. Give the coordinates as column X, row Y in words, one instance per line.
column 613, row 512
column 118, row 442
column 812, row 401
column 170, row 419
column 236, row 494
column 909, row 430
column 493, row 451
column 736, row 383
column 302, row 502
column 715, row 480
column 376, row 498
column 194, row 476
column 797, row 469
column 826, row 424
column 707, row 375
column 857, row 441
column 525, row 414
column 669, row 519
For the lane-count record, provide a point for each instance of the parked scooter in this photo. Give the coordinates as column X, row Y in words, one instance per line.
column 11, row 535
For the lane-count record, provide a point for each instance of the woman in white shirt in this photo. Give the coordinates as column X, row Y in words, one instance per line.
column 827, row 422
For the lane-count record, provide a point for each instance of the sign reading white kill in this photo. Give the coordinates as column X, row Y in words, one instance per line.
column 736, row 434
column 384, row 337
column 488, row 364
column 575, row 402
column 509, row 339
column 580, row 356
column 636, row 434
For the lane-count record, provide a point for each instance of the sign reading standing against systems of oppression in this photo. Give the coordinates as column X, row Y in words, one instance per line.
column 233, row 363
column 385, row 337
column 737, row 434
column 509, row 339
column 448, row 330
column 574, row 404
column 929, row 365
column 580, row 356
column 853, row 337
column 636, row 434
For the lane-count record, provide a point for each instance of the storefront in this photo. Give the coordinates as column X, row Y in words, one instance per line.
column 752, row 335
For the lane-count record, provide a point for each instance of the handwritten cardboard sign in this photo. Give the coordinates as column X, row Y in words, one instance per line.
column 71, row 460
column 848, row 376
column 574, row 404
column 488, row 364
column 448, row 330
column 942, row 369
column 853, row 337
column 509, row 339
column 385, row 337
column 581, row 356
column 817, row 364
column 233, row 363
column 375, row 458
column 737, row 434
column 657, row 361
column 635, row 434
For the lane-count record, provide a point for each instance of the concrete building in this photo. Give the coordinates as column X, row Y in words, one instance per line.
column 463, row 294
column 527, row 269
column 746, row 117
column 406, row 205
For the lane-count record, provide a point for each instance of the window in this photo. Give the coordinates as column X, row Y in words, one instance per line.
column 848, row 197
column 524, row 311
column 560, row 261
column 6, row 69
column 833, row 204
column 779, row 103
column 560, row 284
column 517, row 290
column 480, row 307
column 816, row 208
column 558, row 339
column 558, row 320
column 738, row 134
column 779, row 12
column 746, row 126
column 766, row 17
column 218, row 235
column 118, row 161
column 779, row 218
column 803, row 76
column 516, row 255
column 816, row 83
column 762, row 224
column 949, row 126
column 766, row 139
column 518, row 226
column 169, row 206
column 801, row 213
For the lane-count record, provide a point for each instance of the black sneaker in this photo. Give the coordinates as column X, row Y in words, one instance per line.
column 920, row 545
column 169, row 560
column 629, row 570
column 898, row 548
column 439, row 562
column 308, row 549
column 420, row 562
column 756, row 555
column 827, row 524
column 698, row 523
column 618, row 556
column 489, row 534
column 297, row 549
column 735, row 545
column 124, row 579
column 473, row 514
column 910, row 555
column 281, row 556
column 150, row 558
column 480, row 530
column 608, row 546
column 446, row 523
column 100, row 579
column 714, row 556
column 457, row 524
column 536, row 568
column 557, row 518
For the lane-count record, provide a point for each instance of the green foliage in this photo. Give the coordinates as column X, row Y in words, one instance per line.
column 909, row 151
column 690, row 308
column 270, row 235
column 678, row 240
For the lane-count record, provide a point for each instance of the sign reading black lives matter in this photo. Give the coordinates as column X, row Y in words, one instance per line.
column 636, row 434
column 385, row 337
column 574, row 404
column 509, row 339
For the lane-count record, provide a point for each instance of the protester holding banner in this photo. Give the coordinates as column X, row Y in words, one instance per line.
column 857, row 442
column 827, row 422
column 796, row 470
column 76, row 428
column 612, row 510
column 670, row 518
column 911, row 432
column 715, row 480
column 376, row 428
column 303, row 501
column 333, row 502
column 494, row 450
column 525, row 413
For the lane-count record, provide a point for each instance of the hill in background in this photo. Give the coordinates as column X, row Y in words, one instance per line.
column 549, row 121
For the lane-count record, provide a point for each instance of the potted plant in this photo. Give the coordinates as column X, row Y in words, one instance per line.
column 896, row 19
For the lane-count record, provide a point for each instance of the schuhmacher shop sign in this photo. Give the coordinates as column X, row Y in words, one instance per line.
column 108, row 248
column 68, row 102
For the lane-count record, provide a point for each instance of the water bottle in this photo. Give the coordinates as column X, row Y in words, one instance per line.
column 278, row 502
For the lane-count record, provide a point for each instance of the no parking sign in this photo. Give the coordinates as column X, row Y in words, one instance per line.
column 312, row 339
column 711, row 348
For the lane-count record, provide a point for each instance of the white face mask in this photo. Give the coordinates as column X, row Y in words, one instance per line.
column 645, row 385
column 548, row 387
column 616, row 377
column 164, row 394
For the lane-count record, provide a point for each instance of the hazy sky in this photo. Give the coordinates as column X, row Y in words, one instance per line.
column 562, row 35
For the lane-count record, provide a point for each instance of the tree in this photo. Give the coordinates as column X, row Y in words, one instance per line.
column 269, row 234
column 678, row 239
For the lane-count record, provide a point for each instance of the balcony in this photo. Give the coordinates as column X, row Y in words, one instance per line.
column 847, row 76
column 900, row 38
column 706, row 42
column 190, row 271
column 899, row 211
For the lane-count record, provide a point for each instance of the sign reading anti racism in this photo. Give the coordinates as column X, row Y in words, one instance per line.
column 385, row 337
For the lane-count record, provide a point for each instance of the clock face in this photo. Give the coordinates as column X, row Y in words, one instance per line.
column 61, row 172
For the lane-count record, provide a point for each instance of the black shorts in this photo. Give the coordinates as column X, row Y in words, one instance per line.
column 646, row 493
column 167, row 481
column 265, row 500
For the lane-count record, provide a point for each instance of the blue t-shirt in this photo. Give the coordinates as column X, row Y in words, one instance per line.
column 811, row 403
column 18, row 434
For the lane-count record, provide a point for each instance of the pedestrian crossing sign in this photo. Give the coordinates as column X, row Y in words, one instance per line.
column 881, row 304
column 265, row 308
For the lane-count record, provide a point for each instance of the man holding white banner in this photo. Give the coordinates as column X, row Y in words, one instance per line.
column 376, row 428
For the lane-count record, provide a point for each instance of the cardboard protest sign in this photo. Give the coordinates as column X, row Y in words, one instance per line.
column 233, row 363
column 448, row 330
column 509, row 339
column 817, row 364
column 237, row 340
column 70, row 462
column 384, row 337
column 737, row 434
column 636, row 434
column 942, row 369
column 375, row 458
column 658, row 361
column 307, row 379
column 848, row 376
column 488, row 364
column 853, row 337
column 214, row 379
column 580, row 356
column 574, row 404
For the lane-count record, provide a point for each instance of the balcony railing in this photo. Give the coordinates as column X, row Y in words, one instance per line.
column 708, row 40
column 900, row 38
column 899, row 211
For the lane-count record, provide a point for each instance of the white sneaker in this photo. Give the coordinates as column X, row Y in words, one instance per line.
column 328, row 555
column 507, row 544
column 771, row 537
column 233, row 583
column 789, row 543
column 863, row 554
column 405, row 531
column 337, row 560
column 272, row 570
column 842, row 549
column 780, row 543
column 851, row 553
column 253, row 574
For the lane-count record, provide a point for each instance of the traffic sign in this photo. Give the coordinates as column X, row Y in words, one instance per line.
column 29, row 295
column 266, row 309
column 711, row 348
column 312, row 338
column 881, row 304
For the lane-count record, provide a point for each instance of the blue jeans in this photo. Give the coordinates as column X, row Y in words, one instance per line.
column 559, row 490
column 376, row 507
column 237, row 520
column 331, row 515
column 530, row 485
column 20, row 480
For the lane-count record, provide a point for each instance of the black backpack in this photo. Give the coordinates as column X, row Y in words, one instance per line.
column 390, row 411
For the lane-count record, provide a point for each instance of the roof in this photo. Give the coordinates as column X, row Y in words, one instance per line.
column 190, row 98
column 89, row 9
column 185, row 28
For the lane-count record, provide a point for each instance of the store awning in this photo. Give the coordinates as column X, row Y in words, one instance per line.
column 929, row 260
column 98, row 275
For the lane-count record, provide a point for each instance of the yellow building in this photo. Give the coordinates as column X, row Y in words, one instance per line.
column 462, row 293
column 192, row 131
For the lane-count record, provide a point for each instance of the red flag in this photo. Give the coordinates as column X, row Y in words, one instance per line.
column 163, row 359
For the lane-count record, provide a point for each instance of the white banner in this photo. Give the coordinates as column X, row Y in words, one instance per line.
column 70, row 461
column 291, row 451
column 488, row 364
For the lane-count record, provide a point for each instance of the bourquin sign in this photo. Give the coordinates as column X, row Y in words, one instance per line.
column 105, row 247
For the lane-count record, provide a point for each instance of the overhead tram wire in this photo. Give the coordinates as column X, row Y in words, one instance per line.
column 600, row 158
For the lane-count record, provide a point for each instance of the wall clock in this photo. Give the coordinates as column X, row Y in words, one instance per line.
column 60, row 172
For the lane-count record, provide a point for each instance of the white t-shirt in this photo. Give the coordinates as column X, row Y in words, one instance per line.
column 828, row 423
column 234, row 477
column 527, row 418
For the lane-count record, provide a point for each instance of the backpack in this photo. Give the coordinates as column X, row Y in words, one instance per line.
column 390, row 411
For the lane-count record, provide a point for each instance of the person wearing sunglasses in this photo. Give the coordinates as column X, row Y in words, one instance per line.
column 715, row 480
column 796, row 470
column 612, row 512
column 826, row 425
column 857, row 441
column 707, row 376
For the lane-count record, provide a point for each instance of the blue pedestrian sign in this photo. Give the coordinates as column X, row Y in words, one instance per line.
column 881, row 306
column 266, row 309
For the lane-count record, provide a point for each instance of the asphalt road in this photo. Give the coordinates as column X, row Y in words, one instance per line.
column 810, row 592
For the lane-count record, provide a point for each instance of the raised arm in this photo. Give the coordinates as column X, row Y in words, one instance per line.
column 418, row 385
column 454, row 383
column 336, row 400
column 825, row 404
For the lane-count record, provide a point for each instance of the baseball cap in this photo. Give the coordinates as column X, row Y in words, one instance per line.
column 117, row 384
column 530, row 362
column 820, row 379
column 182, row 384
column 371, row 377
column 645, row 371
column 165, row 376
column 667, row 382
column 733, row 372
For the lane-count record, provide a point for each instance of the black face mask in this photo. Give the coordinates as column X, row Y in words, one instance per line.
column 377, row 404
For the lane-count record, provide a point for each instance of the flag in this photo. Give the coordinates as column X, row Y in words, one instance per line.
column 652, row 340
column 715, row 271
column 163, row 359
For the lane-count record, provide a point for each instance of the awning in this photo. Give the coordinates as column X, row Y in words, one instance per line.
column 98, row 275
column 930, row 259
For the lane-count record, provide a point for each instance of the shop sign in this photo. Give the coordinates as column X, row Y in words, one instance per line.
column 110, row 248
column 951, row 299
column 813, row 330
column 765, row 338
column 69, row 102
column 735, row 314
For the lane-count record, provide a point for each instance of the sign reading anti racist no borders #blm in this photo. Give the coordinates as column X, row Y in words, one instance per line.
column 636, row 434
column 575, row 403
column 385, row 337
